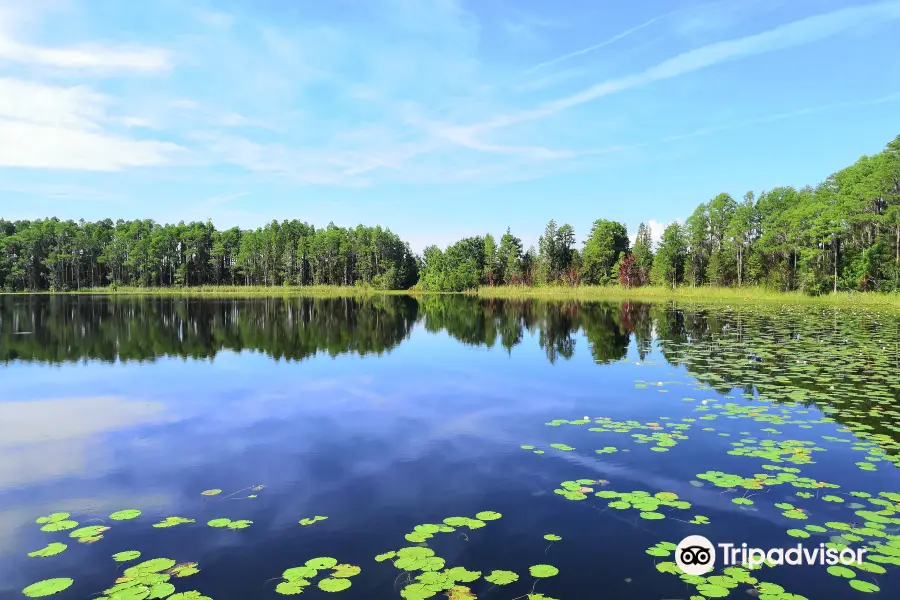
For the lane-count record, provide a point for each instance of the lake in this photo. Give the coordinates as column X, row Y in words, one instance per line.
column 489, row 449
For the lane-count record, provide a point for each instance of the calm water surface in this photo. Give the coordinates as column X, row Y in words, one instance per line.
column 393, row 412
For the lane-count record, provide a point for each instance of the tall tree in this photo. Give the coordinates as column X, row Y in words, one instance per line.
column 606, row 244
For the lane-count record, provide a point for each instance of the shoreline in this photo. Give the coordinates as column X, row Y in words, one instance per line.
column 700, row 295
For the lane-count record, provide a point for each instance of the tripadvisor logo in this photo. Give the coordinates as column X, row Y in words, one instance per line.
column 696, row 555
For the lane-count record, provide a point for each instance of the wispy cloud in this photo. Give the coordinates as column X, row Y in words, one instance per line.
column 44, row 126
column 105, row 59
column 804, row 31
column 404, row 92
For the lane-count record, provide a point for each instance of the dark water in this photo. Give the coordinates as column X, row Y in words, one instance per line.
column 388, row 413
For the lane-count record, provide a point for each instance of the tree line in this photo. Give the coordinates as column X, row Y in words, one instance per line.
column 64, row 255
column 843, row 234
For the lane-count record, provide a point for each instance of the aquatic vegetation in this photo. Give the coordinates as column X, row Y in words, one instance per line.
column 90, row 532
column 47, row 587
column 126, row 555
column 56, row 522
column 172, row 522
column 223, row 523
column 501, row 577
column 214, row 492
column 51, row 549
column 543, row 571
column 296, row 579
column 125, row 515
column 310, row 521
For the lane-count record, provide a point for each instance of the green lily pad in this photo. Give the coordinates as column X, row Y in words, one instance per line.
column 161, row 590
column 333, row 585
column 47, row 587
column 51, row 549
column 341, row 571
column 839, row 571
column 64, row 525
column 219, row 523
column 321, row 562
column 542, row 571
column 488, row 515
column 501, row 577
column 126, row 555
column 125, row 515
column 291, row 588
column 295, row 573
column 864, row 586
column 213, row 492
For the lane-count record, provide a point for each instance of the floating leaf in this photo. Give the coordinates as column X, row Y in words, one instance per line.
column 839, row 571
column 333, row 585
column 47, row 587
column 219, row 523
column 172, row 522
column 550, row 537
column 125, row 515
column 64, row 525
column 543, row 571
column 346, row 571
column 161, row 590
column 291, row 588
column 51, row 549
column 88, row 532
column 192, row 595
column 126, row 555
column 295, row 573
column 502, row 577
column 322, row 562
column 864, row 586
column 488, row 515
column 52, row 518
column 214, row 492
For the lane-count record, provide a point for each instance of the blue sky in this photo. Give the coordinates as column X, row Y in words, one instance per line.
column 437, row 118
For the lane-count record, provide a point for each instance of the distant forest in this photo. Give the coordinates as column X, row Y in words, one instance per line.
column 843, row 234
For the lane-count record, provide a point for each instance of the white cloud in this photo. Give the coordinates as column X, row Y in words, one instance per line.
column 93, row 57
column 803, row 31
column 656, row 230
column 43, row 126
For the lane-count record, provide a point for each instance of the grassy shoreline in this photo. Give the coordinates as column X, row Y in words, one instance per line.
column 697, row 295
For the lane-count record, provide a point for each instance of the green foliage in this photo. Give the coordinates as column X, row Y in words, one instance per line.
column 51, row 549
column 47, row 587
column 59, row 255
column 606, row 244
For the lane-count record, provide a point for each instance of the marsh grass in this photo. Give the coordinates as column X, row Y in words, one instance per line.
column 686, row 295
column 691, row 295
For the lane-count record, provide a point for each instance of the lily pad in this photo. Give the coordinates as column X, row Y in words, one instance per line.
column 501, row 577
column 333, row 585
column 322, row 562
column 864, row 586
column 51, row 549
column 542, row 571
column 47, row 587
column 213, row 492
column 488, row 515
column 126, row 555
column 125, row 515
